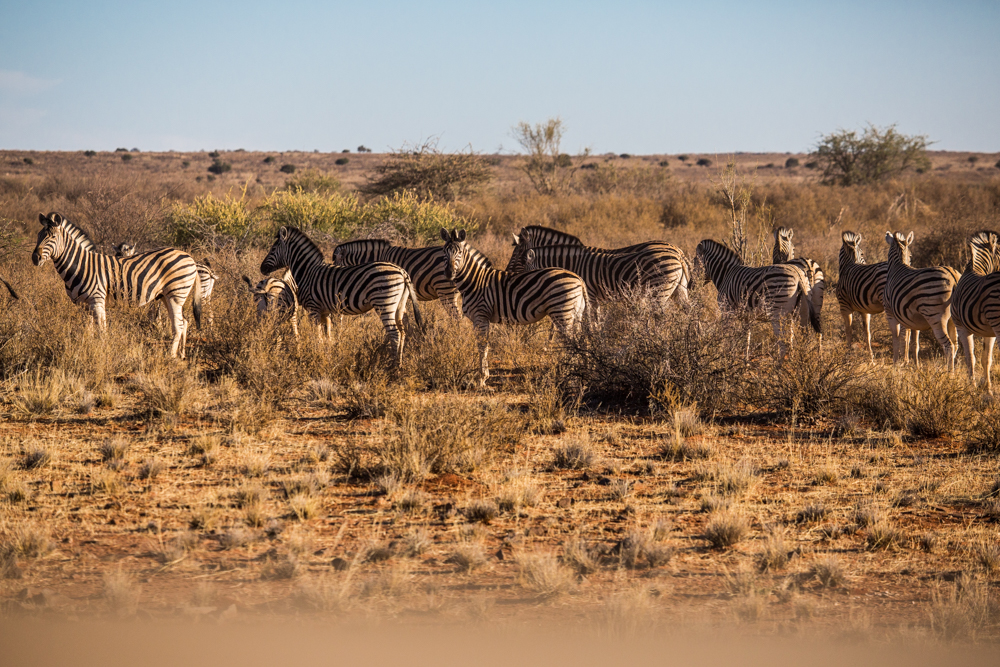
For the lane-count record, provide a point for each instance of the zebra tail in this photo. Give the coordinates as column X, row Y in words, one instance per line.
column 10, row 289
column 197, row 300
column 413, row 297
column 806, row 295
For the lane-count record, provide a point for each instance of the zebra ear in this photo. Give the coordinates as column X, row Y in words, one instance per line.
column 529, row 257
column 42, row 219
column 207, row 263
column 460, row 235
column 517, row 239
column 445, row 235
column 249, row 284
column 909, row 238
column 283, row 233
column 791, row 232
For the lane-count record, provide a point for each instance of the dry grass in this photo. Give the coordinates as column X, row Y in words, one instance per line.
column 653, row 453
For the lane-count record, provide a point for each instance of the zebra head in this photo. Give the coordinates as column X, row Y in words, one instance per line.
column 124, row 250
column 456, row 252
column 51, row 238
column 851, row 245
column 261, row 297
column 292, row 250
column 518, row 257
column 277, row 256
column 716, row 259
column 899, row 246
column 783, row 249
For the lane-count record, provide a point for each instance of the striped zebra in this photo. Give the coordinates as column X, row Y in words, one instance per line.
column 918, row 300
column 92, row 277
column 860, row 287
column 205, row 274
column 779, row 288
column 493, row 296
column 975, row 303
column 324, row 289
column 607, row 276
column 278, row 296
column 784, row 253
column 426, row 267
column 672, row 259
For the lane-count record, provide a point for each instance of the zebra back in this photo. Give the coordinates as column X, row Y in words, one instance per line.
column 975, row 302
column 490, row 295
column 607, row 275
column 324, row 288
column 205, row 273
column 912, row 295
column 741, row 286
column 536, row 236
column 860, row 286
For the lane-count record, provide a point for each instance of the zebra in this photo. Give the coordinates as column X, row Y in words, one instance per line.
column 781, row 288
column 426, row 267
column 91, row 277
column 324, row 289
column 279, row 296
column 206, row 275
column 673, row 258
column 918, row 300
column 493, row 296
column 606, row 275
column 860, row 286
column 784, row 253
column 975, row 303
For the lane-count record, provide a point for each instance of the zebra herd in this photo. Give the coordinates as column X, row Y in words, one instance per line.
column 550, row 274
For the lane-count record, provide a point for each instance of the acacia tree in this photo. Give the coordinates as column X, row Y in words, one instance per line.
column 430, row 173
column 547, row 167
column 850, row 158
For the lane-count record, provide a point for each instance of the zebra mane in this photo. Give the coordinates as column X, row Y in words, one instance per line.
column 985, row 248
column 77, row 234
column 722, row 250
column 560, row 238
column 351, row 245
column 299, row 237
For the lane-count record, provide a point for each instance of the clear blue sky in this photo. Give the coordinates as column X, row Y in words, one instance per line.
column 637, row 77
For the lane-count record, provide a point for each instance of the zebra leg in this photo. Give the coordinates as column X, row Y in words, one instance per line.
column 680, row 294
column 988, row 353
column 848, row 317
column 894, row 330
column 968, row 347
column 177, row 324
column 483, row 334
column 100, row 317
column 942, row 326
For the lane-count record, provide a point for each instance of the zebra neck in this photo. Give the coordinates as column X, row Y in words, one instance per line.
column 474, row 275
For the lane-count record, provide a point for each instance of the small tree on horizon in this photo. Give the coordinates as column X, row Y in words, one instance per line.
column 547, row 168
column 850, row 158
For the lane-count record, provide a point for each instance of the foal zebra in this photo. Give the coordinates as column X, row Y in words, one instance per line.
column 91, row 277
column 674, row 266
column 860, row 286
column 918, row 300
column 606, row 275
column 426, row 267
column 353, row 290
column 975, row 303
column 492, row 296
column 277, row 295
column 784, row 253
column 205, row 274
column 780, row 288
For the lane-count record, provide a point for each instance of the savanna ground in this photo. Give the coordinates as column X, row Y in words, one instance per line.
column 654, row 473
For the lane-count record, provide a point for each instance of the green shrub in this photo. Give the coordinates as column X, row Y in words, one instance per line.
column 90, row 153
column 219, row 167
column 210, row 216
column 270, row 159
column 214, row 154
column 791, row 163
column 313, row 180
column 429, row 173
column 126, row 157
column 287, row 169
column 704, row 162
column 341, row 161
